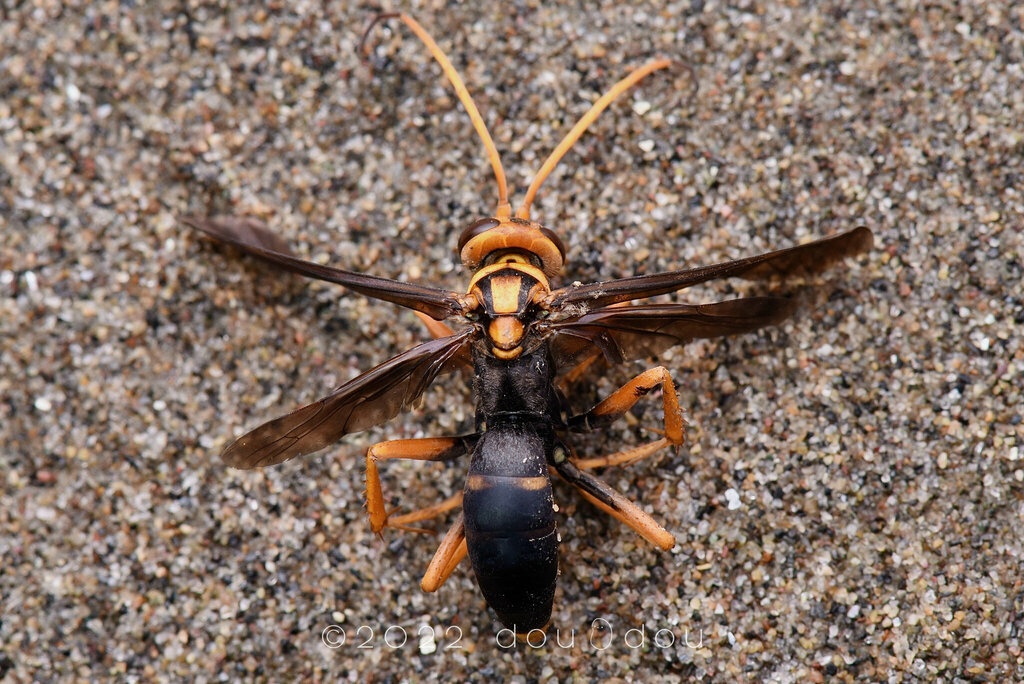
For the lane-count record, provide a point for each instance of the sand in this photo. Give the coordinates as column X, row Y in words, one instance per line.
column 850, row 503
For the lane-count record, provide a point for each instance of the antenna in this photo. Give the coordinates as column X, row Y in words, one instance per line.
column 504, row 210
column 570, row 139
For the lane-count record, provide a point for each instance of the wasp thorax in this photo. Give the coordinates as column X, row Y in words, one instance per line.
column 508, row 291
column 487, row 236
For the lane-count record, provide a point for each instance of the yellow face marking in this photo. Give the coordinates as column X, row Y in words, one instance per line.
column 513, row 258
column 505, row 293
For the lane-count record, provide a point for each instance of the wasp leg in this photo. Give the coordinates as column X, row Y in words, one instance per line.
column 402, row 522
column 625, row 457
column 425, row 449
column 621, row 401
column 576, row 372
column 597, row 492
column 437, row 330
column 449, row 554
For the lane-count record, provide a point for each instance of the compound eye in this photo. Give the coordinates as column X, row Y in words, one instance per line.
column 476, row 228
column 555, row 240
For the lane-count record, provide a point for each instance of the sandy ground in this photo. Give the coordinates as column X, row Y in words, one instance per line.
column 851, row 503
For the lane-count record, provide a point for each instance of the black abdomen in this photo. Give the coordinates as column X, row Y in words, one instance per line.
column 510, row 526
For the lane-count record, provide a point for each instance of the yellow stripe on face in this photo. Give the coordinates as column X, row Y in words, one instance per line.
column 505, row 293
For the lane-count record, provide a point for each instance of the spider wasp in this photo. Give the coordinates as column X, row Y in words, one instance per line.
column 519, row 333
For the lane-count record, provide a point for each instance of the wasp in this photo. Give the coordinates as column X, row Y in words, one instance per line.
column 520, row 335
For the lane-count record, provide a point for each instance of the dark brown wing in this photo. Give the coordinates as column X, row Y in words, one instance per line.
column 255, row 238
column 623, row 333
column 802, row 260
column 367, row 400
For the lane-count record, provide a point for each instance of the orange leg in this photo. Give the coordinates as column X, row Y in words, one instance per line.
column 576, row 372
column 437, row 330
column 425, row 449
column 621, row 401
column 402, row 522
column 448, row 556
column 598, row 492
column 625, row 457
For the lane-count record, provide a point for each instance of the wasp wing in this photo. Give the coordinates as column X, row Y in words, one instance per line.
column 802, row 260
column 253, row 237
column 624, row 333
column 367, row 400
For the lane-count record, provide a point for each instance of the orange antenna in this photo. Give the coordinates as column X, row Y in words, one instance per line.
column 504, row 210
column 570, row 139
